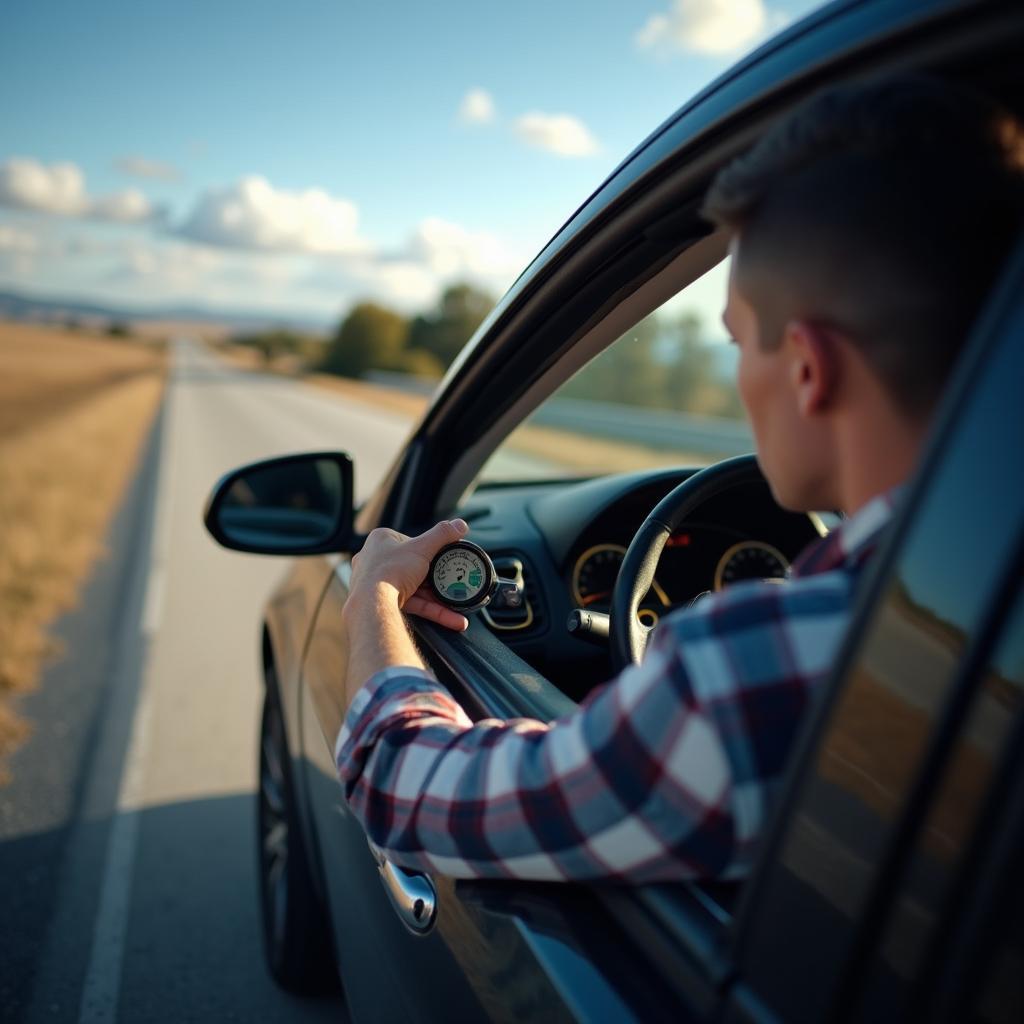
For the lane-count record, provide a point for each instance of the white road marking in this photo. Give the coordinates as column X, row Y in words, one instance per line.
column 153, row 607
column 102, row 986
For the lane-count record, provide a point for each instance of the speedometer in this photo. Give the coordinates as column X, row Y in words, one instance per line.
column 750, row 560
column 594, row 575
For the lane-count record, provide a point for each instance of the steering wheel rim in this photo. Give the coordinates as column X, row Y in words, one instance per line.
column 627, row 636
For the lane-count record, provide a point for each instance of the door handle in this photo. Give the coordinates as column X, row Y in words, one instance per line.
column 413, row 896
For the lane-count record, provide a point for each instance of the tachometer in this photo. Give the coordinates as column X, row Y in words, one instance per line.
column 750, row 560
column 594, row 575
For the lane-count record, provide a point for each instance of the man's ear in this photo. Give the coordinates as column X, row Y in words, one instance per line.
column 813, row 365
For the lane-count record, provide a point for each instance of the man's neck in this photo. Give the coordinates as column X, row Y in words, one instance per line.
column 879, row 452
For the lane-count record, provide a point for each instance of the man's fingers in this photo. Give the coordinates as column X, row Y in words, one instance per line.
column 448, row 531
column 427, row 609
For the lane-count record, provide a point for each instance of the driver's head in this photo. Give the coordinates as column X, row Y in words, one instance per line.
column 867, row 227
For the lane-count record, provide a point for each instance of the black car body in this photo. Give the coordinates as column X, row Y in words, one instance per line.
column 888, row 887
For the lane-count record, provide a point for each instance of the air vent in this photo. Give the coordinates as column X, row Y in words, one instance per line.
column 527, row 618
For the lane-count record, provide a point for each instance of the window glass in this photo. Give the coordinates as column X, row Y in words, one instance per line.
column 949, row 827
column 1001, row 999
column 664, row 393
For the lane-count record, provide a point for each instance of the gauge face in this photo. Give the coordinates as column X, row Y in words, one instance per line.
column 750, row 560
column 594, row 575
column 460, row 575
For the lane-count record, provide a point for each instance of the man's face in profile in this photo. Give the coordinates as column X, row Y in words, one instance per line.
column 764, row 373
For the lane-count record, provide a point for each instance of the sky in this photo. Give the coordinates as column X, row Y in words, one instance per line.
column 296, row 158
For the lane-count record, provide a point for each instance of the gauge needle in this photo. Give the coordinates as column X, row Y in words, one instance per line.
column 591, row 598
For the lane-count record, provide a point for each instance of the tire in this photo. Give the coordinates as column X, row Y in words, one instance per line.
column 297, row 942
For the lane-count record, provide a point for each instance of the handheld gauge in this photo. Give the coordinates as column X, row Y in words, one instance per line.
column 462, row 576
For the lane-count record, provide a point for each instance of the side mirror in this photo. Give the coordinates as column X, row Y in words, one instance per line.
column 293, row 505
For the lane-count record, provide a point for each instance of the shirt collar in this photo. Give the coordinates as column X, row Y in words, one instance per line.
column 852, row 541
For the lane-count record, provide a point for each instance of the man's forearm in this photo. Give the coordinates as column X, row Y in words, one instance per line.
column 378, row 636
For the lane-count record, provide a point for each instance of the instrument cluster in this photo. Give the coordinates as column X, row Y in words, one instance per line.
column 698, row 558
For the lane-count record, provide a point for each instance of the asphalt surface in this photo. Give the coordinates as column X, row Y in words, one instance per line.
column 128, row 887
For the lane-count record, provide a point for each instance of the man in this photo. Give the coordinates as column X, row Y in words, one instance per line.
column 866, row 229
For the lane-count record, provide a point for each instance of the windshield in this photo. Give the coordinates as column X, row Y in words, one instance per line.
column 662, row 394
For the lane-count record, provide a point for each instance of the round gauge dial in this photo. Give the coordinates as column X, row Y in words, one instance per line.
column 462, row 575
column 750, row 560
column 594, row 575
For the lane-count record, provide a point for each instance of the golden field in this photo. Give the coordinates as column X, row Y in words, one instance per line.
column 74, row 410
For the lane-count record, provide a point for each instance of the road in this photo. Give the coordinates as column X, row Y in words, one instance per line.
column 127, row 852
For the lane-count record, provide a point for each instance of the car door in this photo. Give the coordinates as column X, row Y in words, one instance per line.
column 494, row 950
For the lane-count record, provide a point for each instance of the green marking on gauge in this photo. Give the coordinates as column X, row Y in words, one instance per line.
column 463, row 576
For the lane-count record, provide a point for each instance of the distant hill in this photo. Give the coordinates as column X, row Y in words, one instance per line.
column 59, row 309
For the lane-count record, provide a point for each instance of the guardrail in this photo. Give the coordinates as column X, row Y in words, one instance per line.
column 653, row 428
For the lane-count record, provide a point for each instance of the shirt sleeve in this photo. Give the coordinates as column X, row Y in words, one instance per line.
column 663, row 774
column 634, row 786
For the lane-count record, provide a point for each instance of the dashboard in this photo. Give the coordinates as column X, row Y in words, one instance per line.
column 700, row 555
column 566, row 540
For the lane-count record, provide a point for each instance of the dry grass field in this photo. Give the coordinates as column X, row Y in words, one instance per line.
column 74, row 409
column 45, row 371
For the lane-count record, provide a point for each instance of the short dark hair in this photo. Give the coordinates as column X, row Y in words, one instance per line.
column 883, row 209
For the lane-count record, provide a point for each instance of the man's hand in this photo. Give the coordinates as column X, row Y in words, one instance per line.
column 392, row 563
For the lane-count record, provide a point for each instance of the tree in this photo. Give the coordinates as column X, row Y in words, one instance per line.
column 271, row 344
column 690, row 372
column 459, row 313
column 419, row 363
column 370, row 337
column 626, row 373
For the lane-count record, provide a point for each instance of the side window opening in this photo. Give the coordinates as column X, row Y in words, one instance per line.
column 662, row 394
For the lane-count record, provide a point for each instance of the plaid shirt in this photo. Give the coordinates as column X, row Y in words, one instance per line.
column 665, row 773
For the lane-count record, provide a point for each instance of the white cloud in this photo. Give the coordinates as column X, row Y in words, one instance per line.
column 449, row 250
column 129, row 206
column 477, row 107
column 408, row 285
column 142, row 167
column 411, row 278
column 263, row 256
column 14, row 240
column 59, row 189
column 18, row 251
column 252, row 214
column 558, row 133
column 31, row 185
column 163, row 270
column 173, row 264
column 709, row 27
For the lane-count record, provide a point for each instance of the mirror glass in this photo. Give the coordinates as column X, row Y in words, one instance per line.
column 283, row 507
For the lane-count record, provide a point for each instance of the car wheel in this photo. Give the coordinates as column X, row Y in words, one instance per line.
column 296, row 939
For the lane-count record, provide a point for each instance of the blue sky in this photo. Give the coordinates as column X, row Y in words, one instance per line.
column 298, row 157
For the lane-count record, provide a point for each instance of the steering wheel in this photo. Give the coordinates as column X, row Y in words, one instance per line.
column 627, row 635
